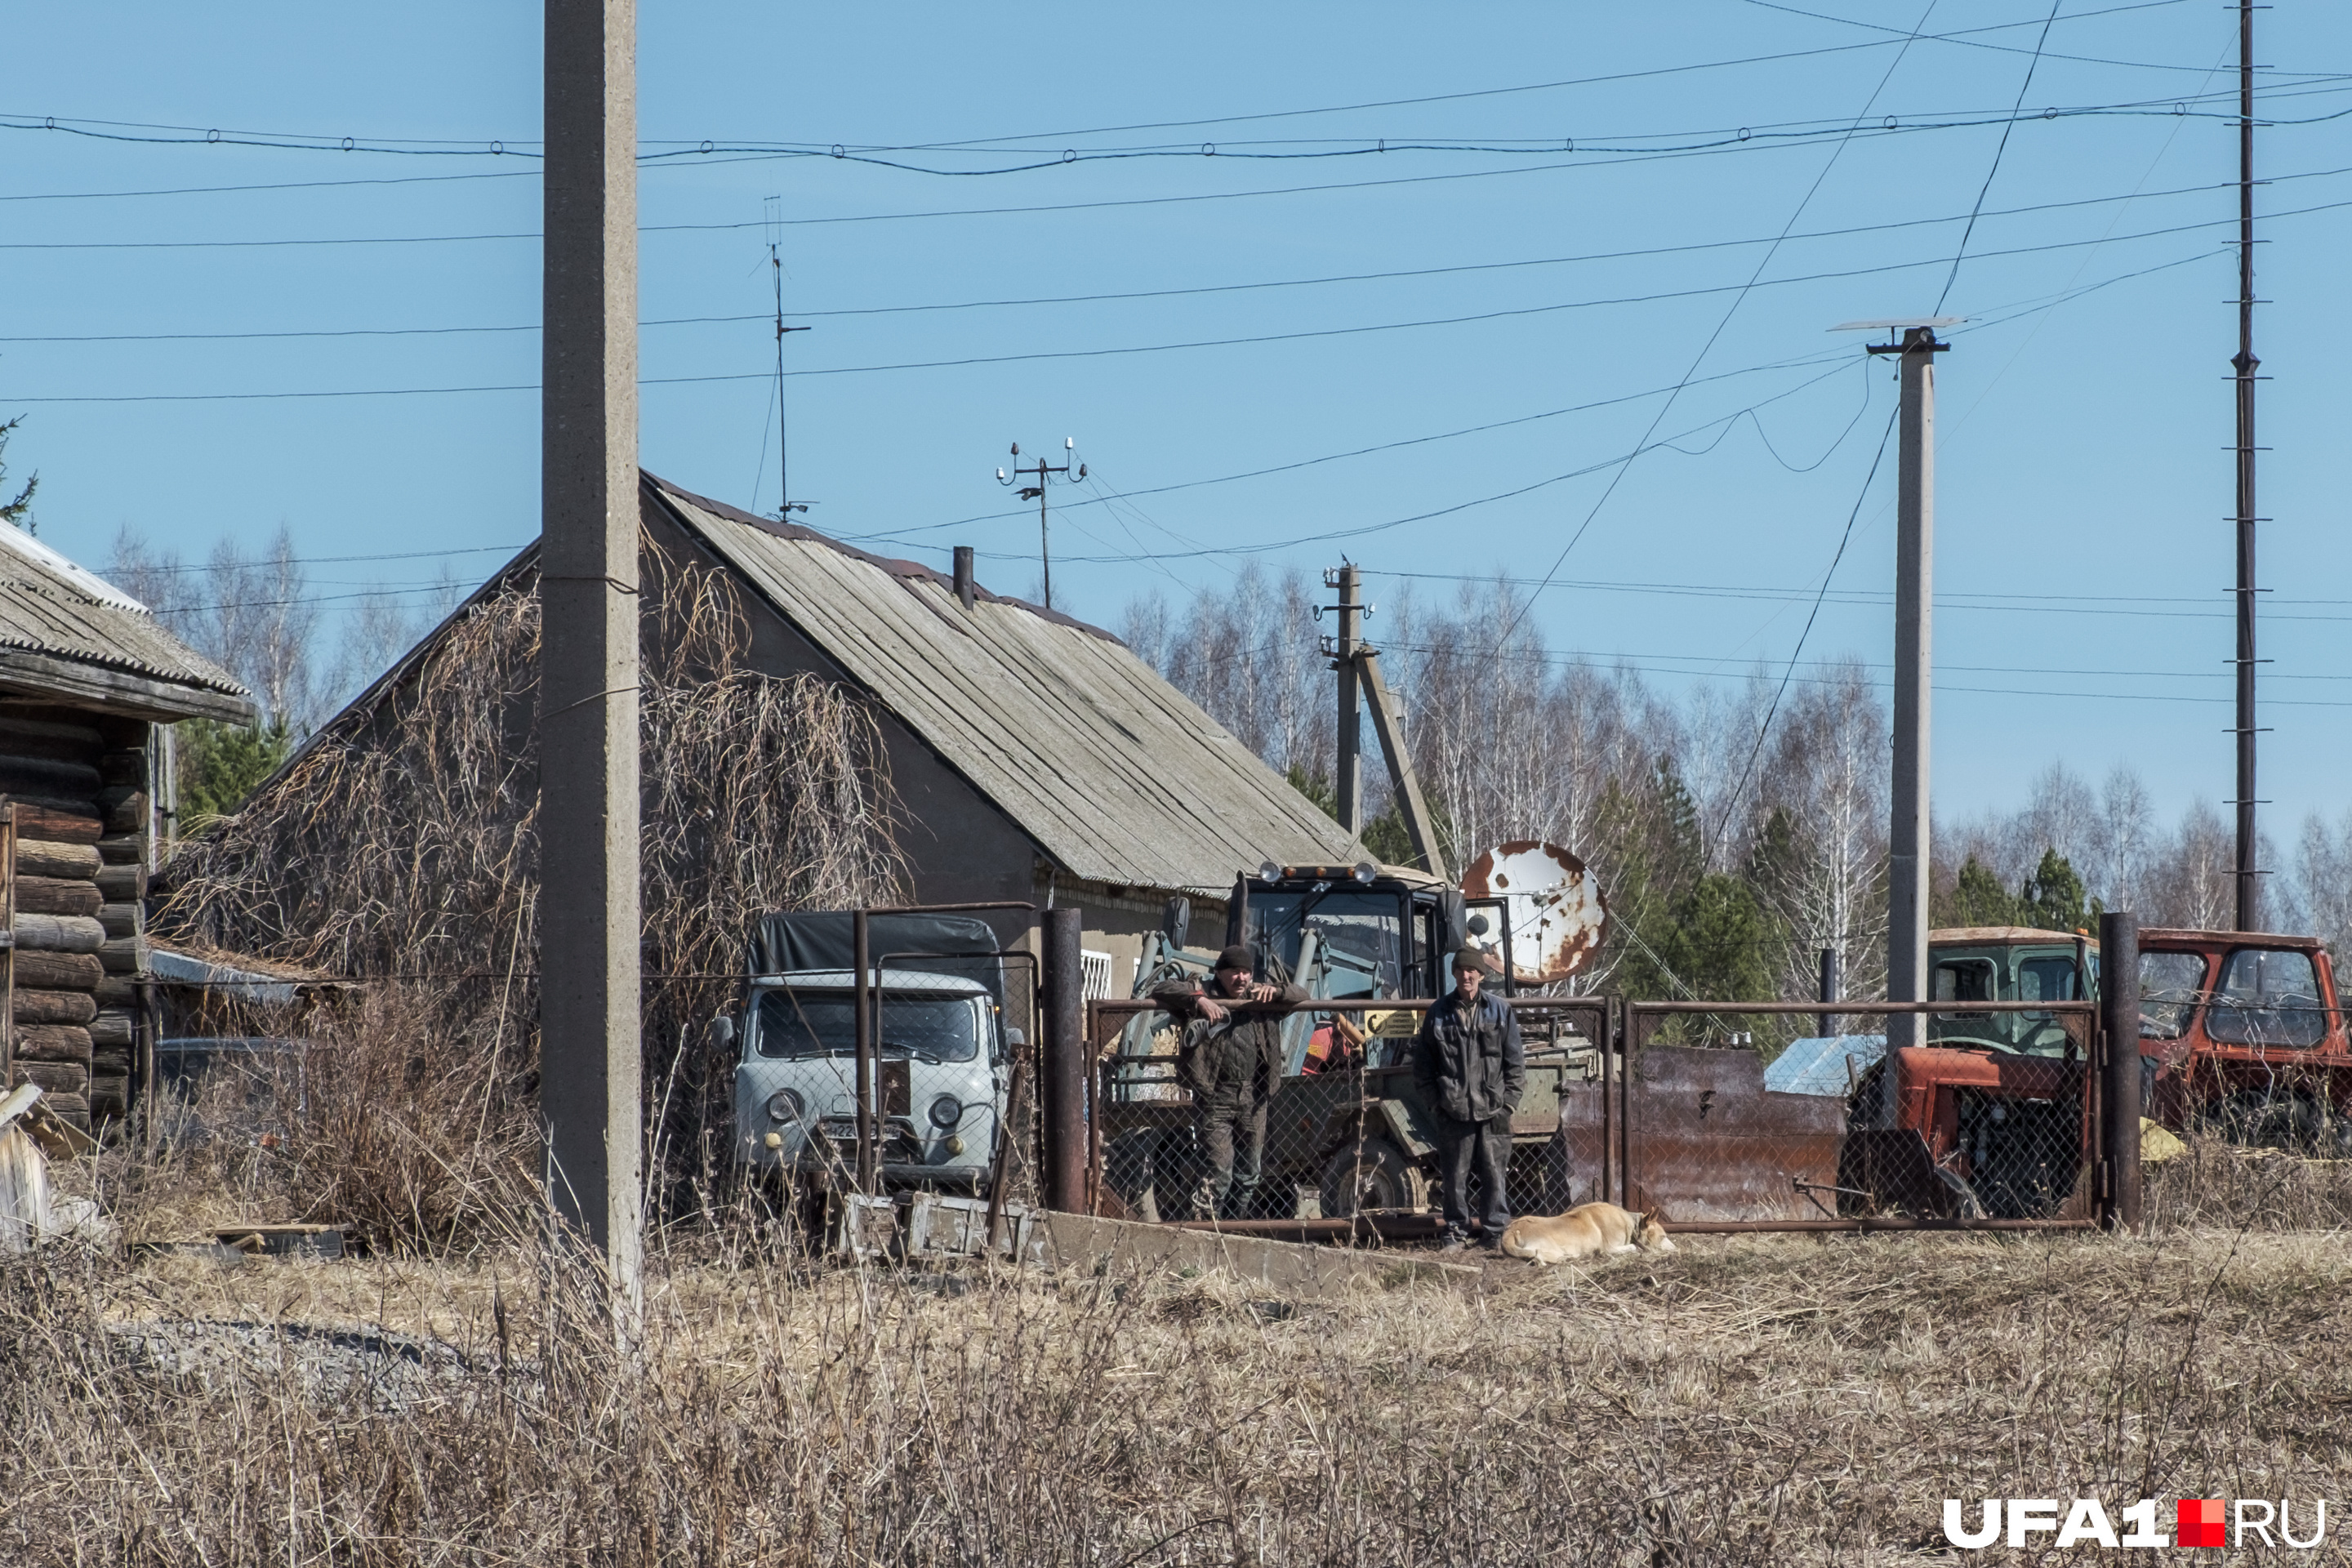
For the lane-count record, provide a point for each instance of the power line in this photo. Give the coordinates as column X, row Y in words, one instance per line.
column 1706, row 348
column 1246, row 340
column 184, row 134
column 1982, row 191
column 1734, row 142
column 1213, row 288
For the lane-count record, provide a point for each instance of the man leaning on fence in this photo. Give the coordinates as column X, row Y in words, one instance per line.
column 1230, row 1060
column 1470, row 1068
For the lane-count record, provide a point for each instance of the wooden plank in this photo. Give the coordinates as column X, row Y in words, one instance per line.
column 118, row 919
column 60, row 970
column 47, row 777
column 65, row 822
column 110, row 1096
column 122, row 884
column 122, row 955
column 49, row 858
column 59, row 933
column 126, row 809
column 124, row 848
column 57, row 896
column 29, row 1006
column 52, row 1043
column 112, row 1029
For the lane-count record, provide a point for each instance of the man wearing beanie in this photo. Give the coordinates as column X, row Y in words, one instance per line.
column 1470, row 1068
column 1230, row 1060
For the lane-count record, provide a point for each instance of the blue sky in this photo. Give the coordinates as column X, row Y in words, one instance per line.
column 2083, row 554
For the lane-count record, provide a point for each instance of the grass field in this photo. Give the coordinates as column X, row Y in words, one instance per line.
column 1750, row 1400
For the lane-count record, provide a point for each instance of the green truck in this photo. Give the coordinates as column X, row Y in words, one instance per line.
column 1347, row 1131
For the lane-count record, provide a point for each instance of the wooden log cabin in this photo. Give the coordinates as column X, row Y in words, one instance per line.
column 90, row 683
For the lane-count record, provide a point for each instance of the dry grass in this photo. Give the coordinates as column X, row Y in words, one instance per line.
column 1746, row 1400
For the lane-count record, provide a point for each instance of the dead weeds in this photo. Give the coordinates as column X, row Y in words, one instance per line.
column 1753, row 1399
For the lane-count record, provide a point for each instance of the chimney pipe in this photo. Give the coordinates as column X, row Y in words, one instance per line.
column 963, row 574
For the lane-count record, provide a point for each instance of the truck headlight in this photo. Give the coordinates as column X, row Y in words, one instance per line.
column 783, row 1106
column 946, row 1112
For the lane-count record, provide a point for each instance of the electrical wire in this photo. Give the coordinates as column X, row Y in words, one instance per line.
column 1246, row 340
column 1213, row 288
column 1755, row 278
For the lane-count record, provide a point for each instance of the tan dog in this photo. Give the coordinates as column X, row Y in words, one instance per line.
column 1585, row 1231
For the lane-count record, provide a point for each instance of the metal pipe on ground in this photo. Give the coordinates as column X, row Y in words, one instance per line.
column 1063, row 1092
column 2119, row 1076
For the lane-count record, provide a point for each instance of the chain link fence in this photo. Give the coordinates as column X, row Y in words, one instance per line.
column 1989, row 1119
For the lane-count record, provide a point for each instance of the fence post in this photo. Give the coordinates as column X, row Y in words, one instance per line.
column 1063, row 1063
column 2119, row 1208
column 1828, row 989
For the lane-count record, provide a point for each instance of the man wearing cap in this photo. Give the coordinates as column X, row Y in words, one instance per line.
column 1230, row 1060
column 1470, row 1068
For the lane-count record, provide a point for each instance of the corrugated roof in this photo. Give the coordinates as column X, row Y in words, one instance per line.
column 1115, row 775
column 52, row 607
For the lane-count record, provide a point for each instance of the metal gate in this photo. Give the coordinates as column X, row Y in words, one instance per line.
column 1643, row 1104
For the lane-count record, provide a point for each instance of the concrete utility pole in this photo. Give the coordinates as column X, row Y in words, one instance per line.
column 2245, row 364
column 1914, row 603
column 589, row 1045
column 1350, row 779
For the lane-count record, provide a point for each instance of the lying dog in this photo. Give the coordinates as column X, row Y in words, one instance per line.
column 1585, row 1231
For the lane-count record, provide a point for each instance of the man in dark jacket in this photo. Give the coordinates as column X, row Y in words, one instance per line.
column 1230, row 1060
column 1470, row 1068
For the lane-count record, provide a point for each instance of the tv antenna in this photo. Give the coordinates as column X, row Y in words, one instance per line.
column 785, row 505
column 1043, row 471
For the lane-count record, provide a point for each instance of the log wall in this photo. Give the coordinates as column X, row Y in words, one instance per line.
column 78, row 782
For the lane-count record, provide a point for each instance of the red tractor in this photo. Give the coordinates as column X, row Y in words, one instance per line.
column 2240, row 1036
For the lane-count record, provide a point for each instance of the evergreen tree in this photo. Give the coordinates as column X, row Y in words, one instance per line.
column 1977, row 899
column 2052, row 896
column 222, row 765
column 1721, row 942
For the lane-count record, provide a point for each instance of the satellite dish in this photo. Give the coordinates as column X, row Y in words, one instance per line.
column 1552, row 902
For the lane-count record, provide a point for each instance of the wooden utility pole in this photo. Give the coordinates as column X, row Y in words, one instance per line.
column 1349, row 781
column 1915, row 607
column 2249, row 875
column 589, row 1044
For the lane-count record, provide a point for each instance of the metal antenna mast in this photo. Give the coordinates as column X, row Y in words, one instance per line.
column 2245, row 364
column 1036, row 492
column 785, row 505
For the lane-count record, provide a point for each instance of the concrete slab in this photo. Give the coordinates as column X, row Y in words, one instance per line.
column 1083, row 1241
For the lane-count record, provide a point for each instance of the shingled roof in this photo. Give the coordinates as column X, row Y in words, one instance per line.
column 68, row 636
column 1115, row 775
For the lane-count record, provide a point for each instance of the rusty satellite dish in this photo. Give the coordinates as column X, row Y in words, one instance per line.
column 1552, row 904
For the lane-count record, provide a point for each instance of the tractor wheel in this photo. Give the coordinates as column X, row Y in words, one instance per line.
column 1375, row 1175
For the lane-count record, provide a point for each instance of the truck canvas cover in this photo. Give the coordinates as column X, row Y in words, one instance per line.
column 785, row 942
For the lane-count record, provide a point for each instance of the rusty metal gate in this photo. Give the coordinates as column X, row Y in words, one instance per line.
column 1861, row 1132
column 1648, row 1104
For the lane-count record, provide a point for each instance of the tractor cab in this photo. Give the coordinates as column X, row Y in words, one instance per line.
column 2009, row 963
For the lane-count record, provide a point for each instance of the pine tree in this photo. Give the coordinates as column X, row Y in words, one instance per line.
column 1977, row 899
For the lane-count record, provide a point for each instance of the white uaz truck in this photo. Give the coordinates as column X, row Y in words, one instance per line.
column 940, row 1067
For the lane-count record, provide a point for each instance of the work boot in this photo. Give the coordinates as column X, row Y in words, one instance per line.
column 1455, row 1241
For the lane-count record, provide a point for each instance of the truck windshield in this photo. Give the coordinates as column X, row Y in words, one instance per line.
column 823, row 1023
column 2267, row 998
column 2168, row 988
column 1359, row 937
